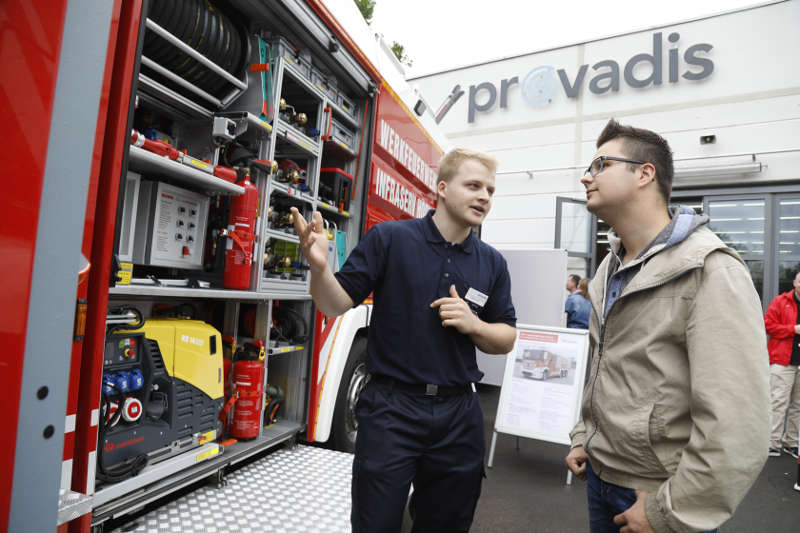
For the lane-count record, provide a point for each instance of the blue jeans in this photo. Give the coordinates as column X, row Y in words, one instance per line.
column 607, row 500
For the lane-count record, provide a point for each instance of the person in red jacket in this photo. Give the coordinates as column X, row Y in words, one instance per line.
column 782, row 321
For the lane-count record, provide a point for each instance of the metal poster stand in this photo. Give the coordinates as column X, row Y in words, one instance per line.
column 542, row 388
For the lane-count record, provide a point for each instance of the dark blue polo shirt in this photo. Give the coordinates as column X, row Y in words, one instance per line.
column 408, row 265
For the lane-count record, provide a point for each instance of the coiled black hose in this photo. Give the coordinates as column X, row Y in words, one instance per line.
column 206, row 28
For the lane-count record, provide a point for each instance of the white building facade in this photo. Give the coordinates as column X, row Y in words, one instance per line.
column 723, row 90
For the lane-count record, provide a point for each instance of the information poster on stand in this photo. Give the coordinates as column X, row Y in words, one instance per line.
column 542, row 387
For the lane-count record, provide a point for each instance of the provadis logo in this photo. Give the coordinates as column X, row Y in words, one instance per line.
column 540, row 85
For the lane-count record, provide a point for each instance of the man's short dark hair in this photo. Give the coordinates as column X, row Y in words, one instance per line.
column 643, row 145
column 575, row 278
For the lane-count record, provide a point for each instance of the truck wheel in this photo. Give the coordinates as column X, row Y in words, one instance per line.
column 545, row 374
column 354, row 378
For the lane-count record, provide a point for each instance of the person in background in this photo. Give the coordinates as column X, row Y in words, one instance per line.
column 782, row 322
column 577, row 306
column 675, row 416
column 583, row 286
column 439, row 292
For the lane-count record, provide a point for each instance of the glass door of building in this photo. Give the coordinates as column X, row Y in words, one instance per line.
column 574, row 234
column 744, row 223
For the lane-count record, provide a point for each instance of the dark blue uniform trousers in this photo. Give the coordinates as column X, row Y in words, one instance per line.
column 436, row 442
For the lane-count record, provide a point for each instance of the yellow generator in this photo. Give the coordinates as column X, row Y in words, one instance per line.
column 162, row 390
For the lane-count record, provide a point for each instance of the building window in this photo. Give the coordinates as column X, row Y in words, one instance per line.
column 788, row 245
column 741, row 224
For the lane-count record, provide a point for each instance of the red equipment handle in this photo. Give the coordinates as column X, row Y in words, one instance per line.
column 329, row 111
column 239, row 237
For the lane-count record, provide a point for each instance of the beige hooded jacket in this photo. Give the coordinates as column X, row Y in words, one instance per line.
column 677, row 401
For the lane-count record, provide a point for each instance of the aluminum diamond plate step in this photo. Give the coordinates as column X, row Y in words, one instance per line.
column 297, row 490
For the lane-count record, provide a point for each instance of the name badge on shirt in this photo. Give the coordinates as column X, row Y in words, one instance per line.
column 476, row 297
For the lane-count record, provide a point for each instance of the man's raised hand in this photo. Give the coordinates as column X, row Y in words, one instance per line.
column 313, row 239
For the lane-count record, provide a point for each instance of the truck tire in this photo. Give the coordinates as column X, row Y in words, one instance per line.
column 354, row 378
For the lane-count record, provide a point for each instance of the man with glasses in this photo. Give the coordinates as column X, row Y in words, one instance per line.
column 674, row 423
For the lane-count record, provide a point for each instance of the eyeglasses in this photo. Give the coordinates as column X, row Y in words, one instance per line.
column 599, row 163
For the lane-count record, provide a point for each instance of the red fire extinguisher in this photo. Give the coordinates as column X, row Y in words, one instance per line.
column 248, row 382
column 241, row 237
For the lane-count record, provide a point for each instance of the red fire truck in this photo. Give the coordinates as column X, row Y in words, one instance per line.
column 157, row 323
column 541, row 364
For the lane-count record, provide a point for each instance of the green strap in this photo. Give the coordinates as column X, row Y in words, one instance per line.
column 262, row 54
column 266, row 82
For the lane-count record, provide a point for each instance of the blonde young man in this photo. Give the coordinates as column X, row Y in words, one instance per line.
column 438, row 293
column 674, row 424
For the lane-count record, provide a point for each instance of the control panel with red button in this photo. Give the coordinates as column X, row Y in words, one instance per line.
column 121, row 351
column 170, row 226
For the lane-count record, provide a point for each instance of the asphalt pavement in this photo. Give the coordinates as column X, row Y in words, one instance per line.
column 526, row 491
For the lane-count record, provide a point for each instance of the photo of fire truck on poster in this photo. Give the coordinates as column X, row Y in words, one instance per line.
column 542, row 386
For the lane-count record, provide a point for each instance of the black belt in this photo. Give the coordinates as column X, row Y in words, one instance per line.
column 427, row 389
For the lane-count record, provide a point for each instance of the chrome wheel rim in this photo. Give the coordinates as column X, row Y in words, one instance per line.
column 357, row 383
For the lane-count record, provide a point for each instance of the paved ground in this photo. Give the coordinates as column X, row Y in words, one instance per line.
column 525, row 492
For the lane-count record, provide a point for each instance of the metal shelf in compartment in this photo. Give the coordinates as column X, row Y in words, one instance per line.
column 290, row 191
column 271, row 436
column 154, row 473
column 338, row 149
column 153, row 164
column 184, row 292
column 136, row 291
column 343, row 115
column 288, row 134
column 332, row 209
column 280, row 287
column 301, row 80
column 282, row 235
column 135, row 492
